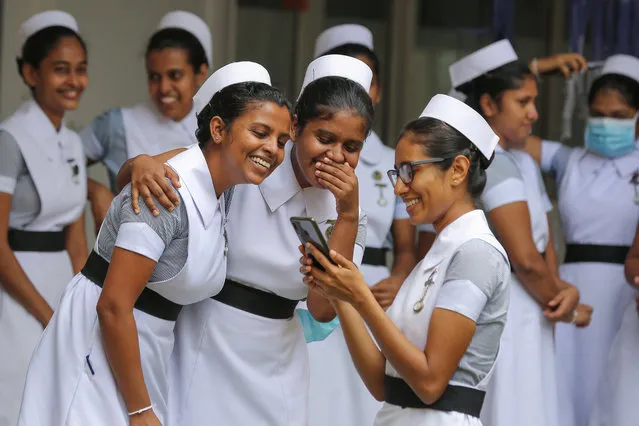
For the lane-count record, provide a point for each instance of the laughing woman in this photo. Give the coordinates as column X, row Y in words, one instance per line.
column 439, row 340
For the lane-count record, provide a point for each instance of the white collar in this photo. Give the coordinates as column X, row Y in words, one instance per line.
column 282, row 184
column 624, row 166
column 42, row 128
column 194, row 172
column 373, row 149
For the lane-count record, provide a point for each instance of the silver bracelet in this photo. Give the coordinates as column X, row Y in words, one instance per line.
column 574, row 316
column 140, row 411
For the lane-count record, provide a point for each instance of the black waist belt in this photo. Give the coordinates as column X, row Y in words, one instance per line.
column 258, row 302
column 576, row 253
column 512, row 268
column 455, row 398
column 36, row 240
column 149, row 301
column 374, row 256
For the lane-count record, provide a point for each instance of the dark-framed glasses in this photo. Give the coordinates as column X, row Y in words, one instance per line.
column 406, row 171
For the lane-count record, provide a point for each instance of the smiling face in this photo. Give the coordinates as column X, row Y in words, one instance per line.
column 512, row 116
column 431, row 194
column 61, row 77
column 172, row 81
column 253, row 145
column 342, row 133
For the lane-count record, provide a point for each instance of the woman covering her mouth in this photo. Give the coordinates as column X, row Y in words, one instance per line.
column 241, row 356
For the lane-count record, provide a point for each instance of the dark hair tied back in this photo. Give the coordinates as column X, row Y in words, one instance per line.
column 40, row 44
column 232, row 101
column 178, row 38
column 494, row 83
column 328, row 95
column 441, row 140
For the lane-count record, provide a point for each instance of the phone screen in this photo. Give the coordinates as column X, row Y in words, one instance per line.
column 308, row 232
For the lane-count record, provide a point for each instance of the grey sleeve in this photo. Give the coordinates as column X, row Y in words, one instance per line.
column 11, row 162
column 504, row 183
column 144, row 233
column 98, row 137
column 476, row 270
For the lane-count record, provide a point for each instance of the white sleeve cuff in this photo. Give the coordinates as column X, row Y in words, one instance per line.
column 7, row 184
column 548, row 151
column 140, row 238
column 463, row 297
column 509, row 191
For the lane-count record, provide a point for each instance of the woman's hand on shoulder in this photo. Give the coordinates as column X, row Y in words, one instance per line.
column 149, row 180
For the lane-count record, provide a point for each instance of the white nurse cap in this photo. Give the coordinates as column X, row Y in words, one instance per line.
column 481, row 61
column 42, row 20
column 233, row 73
column 192, row 23
column 465, row 119
column 625, row 65
column 343, row 34
column 338, row 66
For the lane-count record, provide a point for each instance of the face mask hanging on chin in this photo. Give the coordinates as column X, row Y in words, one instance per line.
column 611, row 137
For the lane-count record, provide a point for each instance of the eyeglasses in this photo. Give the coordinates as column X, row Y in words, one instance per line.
column 406, row 171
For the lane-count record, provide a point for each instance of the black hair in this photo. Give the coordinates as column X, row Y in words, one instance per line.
column 494, row 83
column 178, row 38
column 354, row 50
column 40, row 44
column 626, row 86
column 439, row 139
column 327, row 95
column 232, row 101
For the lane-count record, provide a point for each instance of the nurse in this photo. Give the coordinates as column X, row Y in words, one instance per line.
column 440, row 337
column 616, row 399
column 241, row 356
column 598, row 204
column 337, row 394
column 42, row 195
column 178, row 58
column 104, row 358
column 503, row 90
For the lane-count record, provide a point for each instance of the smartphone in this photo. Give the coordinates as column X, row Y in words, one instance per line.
column 308, row 231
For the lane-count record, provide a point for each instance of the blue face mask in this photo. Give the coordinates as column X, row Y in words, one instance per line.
column 611, row 137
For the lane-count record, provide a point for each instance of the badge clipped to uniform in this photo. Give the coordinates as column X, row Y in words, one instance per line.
column 378, row 176
column 75, row 170
column 635, row 181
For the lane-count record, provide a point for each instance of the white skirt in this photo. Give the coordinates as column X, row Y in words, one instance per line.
column 232, row 367
column 338, row 396
column 582, row 353
column 392, row 415
column 523, row 389
column 20, row 331
column 616, row 403
column 70, row 381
